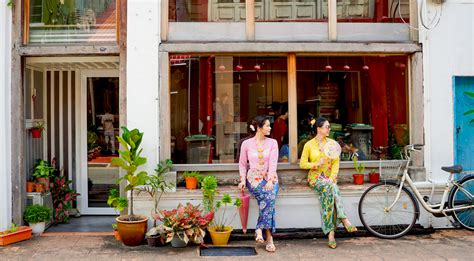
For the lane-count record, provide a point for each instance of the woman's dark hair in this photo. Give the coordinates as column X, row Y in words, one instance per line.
column 284, row 108
column 258, row 122
column 319, row 123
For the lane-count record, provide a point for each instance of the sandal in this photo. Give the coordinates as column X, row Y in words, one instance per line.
column 332, row 244
column 351, row 228
column 259, row 239
column 270, row 247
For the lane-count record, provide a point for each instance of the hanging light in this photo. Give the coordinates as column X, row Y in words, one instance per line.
column 365, row 67
column 328, row 67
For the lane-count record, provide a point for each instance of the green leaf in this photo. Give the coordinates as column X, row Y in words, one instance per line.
column 471, row 121
column 470, row 94
column 469, row 112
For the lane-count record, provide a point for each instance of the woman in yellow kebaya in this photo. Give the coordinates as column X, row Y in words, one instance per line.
column 322, row 177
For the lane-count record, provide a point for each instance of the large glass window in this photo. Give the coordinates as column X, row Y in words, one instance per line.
column 213, row 98
column 364, row 98
column 60, row 21
column 383, row 11
column 291, row 11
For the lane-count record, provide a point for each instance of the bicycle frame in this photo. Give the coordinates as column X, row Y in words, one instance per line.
column 432, row 208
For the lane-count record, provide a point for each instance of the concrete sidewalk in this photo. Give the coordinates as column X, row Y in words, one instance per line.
column 441, row 245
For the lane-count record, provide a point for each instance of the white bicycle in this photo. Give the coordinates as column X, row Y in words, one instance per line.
column 390, row 210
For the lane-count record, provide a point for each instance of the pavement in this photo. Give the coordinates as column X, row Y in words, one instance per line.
column 453, row 244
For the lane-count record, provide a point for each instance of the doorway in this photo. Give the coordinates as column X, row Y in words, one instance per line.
column 464, row 121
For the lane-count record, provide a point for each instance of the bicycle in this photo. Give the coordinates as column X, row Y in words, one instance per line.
column 389, row 209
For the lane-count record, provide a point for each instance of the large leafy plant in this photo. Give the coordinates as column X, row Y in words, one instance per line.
column 220, row 220
column 36, row 214
column 130, row 160
column 186, row 221
column 116, row 201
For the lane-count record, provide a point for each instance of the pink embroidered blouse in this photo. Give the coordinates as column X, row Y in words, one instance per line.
column 262, row 161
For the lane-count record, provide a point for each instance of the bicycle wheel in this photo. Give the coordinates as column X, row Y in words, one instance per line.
column 385, row 223
column 463, row 197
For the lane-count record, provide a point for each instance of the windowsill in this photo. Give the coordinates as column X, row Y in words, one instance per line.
column 280, row 166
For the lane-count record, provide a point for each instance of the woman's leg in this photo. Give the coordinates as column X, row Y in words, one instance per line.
column 332, row 211
column 266, row 205
column 270, row 247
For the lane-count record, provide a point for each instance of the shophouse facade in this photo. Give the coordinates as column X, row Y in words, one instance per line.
column 191, row 75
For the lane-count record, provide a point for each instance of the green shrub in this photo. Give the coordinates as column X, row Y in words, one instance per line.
column 36, row 214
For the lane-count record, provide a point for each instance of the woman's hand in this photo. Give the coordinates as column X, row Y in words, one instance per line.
column 242, row 185
column 268, row 186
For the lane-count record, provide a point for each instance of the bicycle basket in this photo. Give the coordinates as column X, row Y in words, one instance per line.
column 390, row 170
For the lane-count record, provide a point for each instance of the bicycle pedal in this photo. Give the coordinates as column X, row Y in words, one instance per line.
column 426, row 198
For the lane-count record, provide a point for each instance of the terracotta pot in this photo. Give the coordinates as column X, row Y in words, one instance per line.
column 39, row 187
column 23, row 233
column 374, row 178
column 30, row 186
column 191, row 182
column 36, row 133
column 132, row 233
column 117, row 235
column 358, row 179
column 45, row 182
column 220, row 238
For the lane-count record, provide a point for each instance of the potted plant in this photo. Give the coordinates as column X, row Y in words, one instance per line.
column 63, row 198
column 156, row 186
column 182, row 224
column 221, row 229
column 119, row 204
column 131, row 227
column 15, row 234
column 359, row 168
column 209, row 191
column 374, row 177
column 42, row 172
column 37, row 130
column 191, row 178
column 36, row 217
column 30, row 186
column 39, row 187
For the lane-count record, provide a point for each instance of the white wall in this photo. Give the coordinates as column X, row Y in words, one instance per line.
column 143, row 36
column 5, row 87
column 447, row 52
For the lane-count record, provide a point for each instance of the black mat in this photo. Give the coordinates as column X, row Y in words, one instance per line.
column 86, row 224
column 227, row 251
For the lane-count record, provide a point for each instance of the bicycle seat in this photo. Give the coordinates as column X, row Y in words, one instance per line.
column 453, row 169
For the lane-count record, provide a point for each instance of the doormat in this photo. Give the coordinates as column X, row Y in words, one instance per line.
column 227, row 251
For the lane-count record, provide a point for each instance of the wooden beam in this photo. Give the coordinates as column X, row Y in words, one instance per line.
column 26, row 22
column 123, row 80
column 164, row 105
column 164, row 20
column 18, row 177
column 414, row 21
column 250, row 20
column 261, row 48
column 332, row 20
column 58, row 50
column 292, row 108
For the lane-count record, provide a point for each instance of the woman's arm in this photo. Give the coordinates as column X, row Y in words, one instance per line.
column 334, row 169
column 243, row 161
column 272, row 165
column 304, row 164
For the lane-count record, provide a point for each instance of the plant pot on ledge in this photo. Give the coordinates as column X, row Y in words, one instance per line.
column 358, row 179
column 132, row 232
column 374, row 177
column 220, row 238
column 8, row 237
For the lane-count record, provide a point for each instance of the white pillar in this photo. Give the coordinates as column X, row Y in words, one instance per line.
column 5, row 87
column 143, row 38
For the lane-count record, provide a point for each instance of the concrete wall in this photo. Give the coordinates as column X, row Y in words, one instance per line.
column 447, row 52
column 143, row 37
column 5, row 83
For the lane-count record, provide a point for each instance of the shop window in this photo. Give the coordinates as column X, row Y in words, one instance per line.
column 213, row 98
column 291, row 11
column 372, row 11
column 364, row 98
column 77, row 21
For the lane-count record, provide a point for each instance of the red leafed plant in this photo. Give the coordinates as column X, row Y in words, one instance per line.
column 186, row 221
column 63, row 197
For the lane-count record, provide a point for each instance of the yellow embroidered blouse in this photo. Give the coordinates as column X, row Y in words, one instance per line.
column 311, row 158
